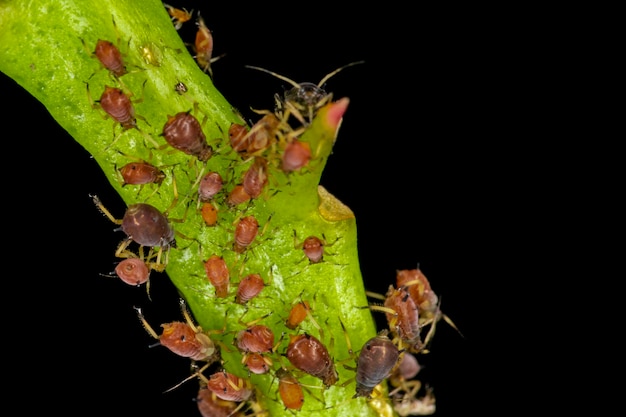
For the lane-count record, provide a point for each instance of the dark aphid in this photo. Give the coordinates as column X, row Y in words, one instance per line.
column 246, row 230
column 289, row 389
column 137, row 173
column 309, row 355
column 184, row 339
column 143, row 224
column 255, row 178
column 184, row 132
column 296, row 155
column 218, row 274
column 376, row 360
column 304, row 99
column 249, row 287
column 230, row 387
column 178, row 16
column 210, row 184
column 133, row 271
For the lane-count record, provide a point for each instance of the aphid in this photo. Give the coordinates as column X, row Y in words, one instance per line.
column 376, row 360
column 246, row 230
column 209, row 213
column 256, row 362
column 230, row 387
column 110, row 57
column 209, row 405
column 210, row 184
column 304, row 99
column 296, row 155
column 297, row 314
column 133, row 271
column 249, row 287
column 151, row 54
column 255, row 338
column 218, row 274
column 184, row 338
column 184, row 132
column 238, row 138
column 313, row 248
column 309, row 355
column 289, row 389
column 255, row 178
column 178, row 16
column 407, row 369
column 143, row 224
column 238, row 195
column 203, row 47
column 137, row 173
column 262, row 135
column 403, row 318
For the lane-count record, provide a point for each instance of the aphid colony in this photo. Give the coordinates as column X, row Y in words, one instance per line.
column 269, row 150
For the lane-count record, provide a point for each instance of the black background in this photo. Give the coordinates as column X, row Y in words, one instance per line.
column 411, row 160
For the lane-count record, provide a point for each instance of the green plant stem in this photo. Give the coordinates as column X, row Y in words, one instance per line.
column 46, row 46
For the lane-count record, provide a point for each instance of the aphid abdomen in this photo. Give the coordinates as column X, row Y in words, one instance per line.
column 376, row 361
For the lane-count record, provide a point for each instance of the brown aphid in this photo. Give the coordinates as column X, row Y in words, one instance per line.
column 137, row 173
column 230, row 387
column 209, row 405
column 262, row 134
column 255, row 178
column 245, row 232
column 209, row 213
column 249, row 287
column 210, row 184
column 184, row 339
column 218, row 274
column 184, row 132
column 133, row 271
column 309, row 355
column 296, row 155
column 403, row 317
column 376, row 361
column 289, row 389
column 238, row 195
column 238, row 137
column 256, row 338
column 178, row 16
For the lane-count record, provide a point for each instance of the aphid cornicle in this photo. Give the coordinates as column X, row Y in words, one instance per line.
column 376, row 361
column 184, row 132
column 309, row 355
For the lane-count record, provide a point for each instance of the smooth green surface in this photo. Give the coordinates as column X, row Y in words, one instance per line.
column 46, row 46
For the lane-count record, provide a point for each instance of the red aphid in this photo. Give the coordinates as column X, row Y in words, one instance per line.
column 185, row 341
column 309, row 355
column 110, row 56
column 183, row 132
column 209, row 213
column 230, row 387
column 255, row 178
column 419, row 289
column 313, row 248
column 218, row 274
column 238, row 137
column 297, row 314
column 404, row 322
column 133, row 271
column 256, row 338
column 238, row 195
column 137, row 173
column 117, row 104
column 296, row 155
column 246, row 230
column 256, row 363
column 249, row 287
